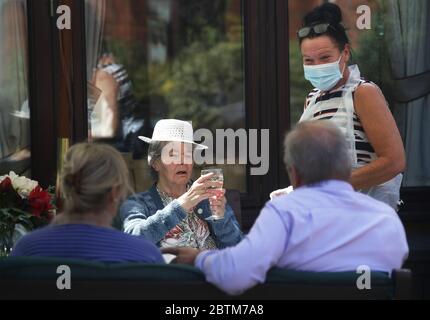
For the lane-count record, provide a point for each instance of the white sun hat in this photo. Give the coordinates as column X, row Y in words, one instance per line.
column 173, row 130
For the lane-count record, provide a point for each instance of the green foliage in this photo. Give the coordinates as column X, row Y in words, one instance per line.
column 18, row 208
column 12, row 216
column 204, row 77
column 372, row 56
column 11, row 208
column 203, row 80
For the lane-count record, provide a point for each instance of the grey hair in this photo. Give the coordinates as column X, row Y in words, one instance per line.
column 154, row 153
column 318, row 151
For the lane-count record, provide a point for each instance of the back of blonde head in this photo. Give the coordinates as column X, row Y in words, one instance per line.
column 89, row 173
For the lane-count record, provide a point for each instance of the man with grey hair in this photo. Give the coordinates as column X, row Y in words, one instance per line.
column 316, row 152
column 323, row 226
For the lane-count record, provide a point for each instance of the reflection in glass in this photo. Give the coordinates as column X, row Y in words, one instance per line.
column 176, row 59
column 14, row 106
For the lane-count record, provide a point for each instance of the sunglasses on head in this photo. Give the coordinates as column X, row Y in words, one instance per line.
column 316, row 29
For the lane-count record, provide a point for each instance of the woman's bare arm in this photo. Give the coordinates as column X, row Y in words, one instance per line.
column 383, row 135
column 109, row 115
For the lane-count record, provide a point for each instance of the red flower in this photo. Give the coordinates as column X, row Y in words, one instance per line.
column 6, row 185
column 174, row 233
column 40, row 201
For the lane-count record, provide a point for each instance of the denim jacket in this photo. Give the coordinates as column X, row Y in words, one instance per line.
column 144, row 214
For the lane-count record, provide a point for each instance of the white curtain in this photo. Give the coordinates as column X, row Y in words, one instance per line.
column 94, row 26
column 408, row 31
column 14, row 107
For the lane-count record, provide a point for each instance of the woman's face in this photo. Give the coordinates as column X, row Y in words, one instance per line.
column 175, row 166
column 322, row 50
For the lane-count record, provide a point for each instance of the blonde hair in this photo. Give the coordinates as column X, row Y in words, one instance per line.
column 90, row 171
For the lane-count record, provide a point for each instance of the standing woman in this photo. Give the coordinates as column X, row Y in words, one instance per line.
column 356, row 106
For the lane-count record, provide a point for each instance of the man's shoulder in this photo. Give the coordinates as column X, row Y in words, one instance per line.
column 320, row 196
column 299, row 197
column 293, row 204
column 378, row 205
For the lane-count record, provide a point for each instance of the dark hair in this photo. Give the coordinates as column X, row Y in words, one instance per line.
column 327, row 13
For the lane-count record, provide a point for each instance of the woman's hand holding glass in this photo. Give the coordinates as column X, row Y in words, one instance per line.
column 203, row 188
column 217, row 202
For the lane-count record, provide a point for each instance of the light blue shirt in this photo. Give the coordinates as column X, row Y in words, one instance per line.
column 324, row 228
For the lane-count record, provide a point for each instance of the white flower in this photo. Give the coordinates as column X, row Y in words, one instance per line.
column 22, row 185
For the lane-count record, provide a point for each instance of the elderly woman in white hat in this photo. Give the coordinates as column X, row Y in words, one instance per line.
column 175, row 212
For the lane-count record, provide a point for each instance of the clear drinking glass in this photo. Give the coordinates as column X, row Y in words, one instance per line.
column 218, row 177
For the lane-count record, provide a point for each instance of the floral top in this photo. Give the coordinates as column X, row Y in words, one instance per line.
column 192, row 232
column 144, row 214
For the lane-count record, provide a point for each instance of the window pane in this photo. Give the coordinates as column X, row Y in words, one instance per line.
column 396, row 47
column 169, row 59
column 14, row 106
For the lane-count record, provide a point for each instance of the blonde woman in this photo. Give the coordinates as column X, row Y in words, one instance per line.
column 94, row 182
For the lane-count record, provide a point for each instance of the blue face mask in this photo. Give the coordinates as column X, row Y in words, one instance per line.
column 324, row 76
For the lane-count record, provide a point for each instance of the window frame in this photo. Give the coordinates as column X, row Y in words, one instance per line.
column 57, row 77
column 41, row 94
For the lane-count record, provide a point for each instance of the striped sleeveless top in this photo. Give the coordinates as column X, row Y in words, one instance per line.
column 126, row 99
column 129, row 108
column 325, row 105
